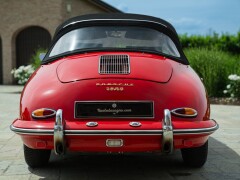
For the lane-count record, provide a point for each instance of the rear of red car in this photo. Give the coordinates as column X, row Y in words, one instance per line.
column 114, row 89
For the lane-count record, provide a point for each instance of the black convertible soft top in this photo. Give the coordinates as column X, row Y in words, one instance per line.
column 114, row 17
column 108, row 19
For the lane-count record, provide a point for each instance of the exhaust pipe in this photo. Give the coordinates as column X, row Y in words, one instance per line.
column 59, row 149
column 59, row 142
column 167, row 139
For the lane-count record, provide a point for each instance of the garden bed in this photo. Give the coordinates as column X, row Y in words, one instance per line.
column 225, row 101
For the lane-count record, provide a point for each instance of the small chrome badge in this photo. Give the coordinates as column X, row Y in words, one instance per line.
column 91, row 124
column 114, row 105
column 135, row 124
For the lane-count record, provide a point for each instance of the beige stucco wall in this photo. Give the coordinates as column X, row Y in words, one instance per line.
column 15, row 15
column 80, row 7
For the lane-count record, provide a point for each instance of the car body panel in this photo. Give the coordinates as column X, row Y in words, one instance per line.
column 86, row 67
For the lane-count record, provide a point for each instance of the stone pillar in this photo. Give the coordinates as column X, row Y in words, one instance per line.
column 7, row 58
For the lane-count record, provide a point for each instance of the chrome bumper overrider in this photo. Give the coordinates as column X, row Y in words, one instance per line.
column 167, row 135
column 167, row 132
column 58, row 135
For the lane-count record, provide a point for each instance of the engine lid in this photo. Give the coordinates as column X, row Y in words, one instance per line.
column 141, row 66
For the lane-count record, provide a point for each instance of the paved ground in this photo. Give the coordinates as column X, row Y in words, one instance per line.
column 223, row 160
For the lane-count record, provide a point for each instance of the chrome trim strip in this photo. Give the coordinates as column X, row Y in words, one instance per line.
column 196, row 131
column 114, row 101
column 120, row 134
column 139, row 20
column 31, row 131
column 113, row 132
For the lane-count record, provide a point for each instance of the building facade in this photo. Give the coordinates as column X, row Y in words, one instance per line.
column 27, row 25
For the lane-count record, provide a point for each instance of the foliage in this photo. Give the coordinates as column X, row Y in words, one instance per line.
column 233, row 88
column 225, row 42
column 22, row 73
column 35, row 60
column 213, row 66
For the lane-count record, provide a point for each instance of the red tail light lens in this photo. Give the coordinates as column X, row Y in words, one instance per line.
column 184, row 112
column 43, row 113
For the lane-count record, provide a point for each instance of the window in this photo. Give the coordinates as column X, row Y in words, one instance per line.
column 120, row 38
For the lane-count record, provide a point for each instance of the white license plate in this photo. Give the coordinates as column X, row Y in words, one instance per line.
column 114, row 142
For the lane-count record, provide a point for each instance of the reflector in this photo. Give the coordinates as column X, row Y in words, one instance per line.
column 114, row 142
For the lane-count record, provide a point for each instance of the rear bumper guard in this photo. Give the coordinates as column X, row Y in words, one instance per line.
column 167, row 132
column 58, row 134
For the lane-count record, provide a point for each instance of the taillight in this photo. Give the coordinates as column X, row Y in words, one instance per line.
column 184, row 112
column 43, row 113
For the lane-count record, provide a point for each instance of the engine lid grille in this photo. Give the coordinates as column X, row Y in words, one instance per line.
column 114, row 64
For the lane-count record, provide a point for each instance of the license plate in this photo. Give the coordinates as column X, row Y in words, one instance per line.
column 114, row 142
column 114, row 109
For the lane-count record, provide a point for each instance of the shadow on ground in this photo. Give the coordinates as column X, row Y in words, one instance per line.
column 223, row 163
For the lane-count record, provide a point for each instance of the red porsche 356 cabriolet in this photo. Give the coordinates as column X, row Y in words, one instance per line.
column 114, row 83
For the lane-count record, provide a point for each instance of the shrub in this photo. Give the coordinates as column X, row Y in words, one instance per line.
column 213, row 66
column 225, row 42
column 233, row 88
column 23, row 73
column 35, row 60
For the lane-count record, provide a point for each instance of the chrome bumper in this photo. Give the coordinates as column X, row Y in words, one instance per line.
column 167, row 132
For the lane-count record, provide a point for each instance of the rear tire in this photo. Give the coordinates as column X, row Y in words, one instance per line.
column 36, row 157
column 195, row 157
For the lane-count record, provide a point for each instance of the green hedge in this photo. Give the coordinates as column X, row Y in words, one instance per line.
column 35, row 59
column 214, row 66
column 224, row 42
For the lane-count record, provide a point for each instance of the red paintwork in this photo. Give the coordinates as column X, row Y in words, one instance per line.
column 168, row 83
column 81, row 66
column 131, row 143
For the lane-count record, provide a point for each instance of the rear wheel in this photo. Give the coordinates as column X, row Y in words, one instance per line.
column 195, row 157
column 36, row 157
